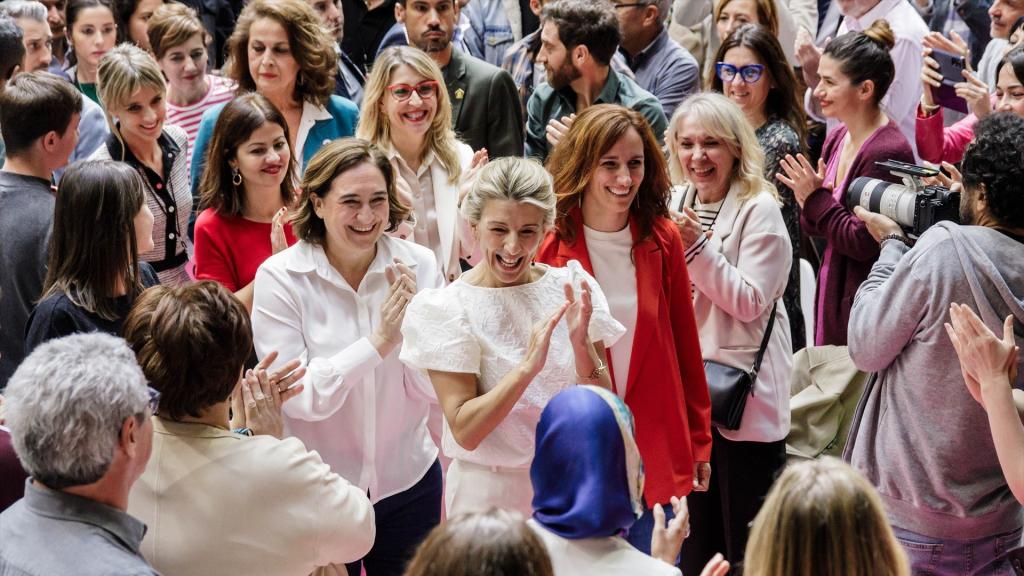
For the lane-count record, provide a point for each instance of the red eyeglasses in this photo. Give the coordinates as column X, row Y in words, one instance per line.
column 402, row 92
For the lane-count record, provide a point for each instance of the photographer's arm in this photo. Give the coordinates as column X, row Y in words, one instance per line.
column 877, row 334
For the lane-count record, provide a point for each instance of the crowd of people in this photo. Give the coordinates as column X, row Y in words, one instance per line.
column 472, row 287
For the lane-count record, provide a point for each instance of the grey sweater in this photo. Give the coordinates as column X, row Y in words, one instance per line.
column 922, row 440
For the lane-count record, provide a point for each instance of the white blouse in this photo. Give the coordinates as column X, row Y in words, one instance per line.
column 486, row 332
column 365, row 415
column 610, row 556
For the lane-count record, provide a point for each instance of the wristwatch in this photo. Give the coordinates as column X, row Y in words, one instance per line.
column 895, row 236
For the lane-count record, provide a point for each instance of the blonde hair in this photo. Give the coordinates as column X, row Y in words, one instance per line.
column 724, row 120
column 822, row 518
column 373, row 122
column 516, row 179
column 122, row 72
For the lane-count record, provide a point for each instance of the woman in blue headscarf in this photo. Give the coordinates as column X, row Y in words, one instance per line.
column 588, row 483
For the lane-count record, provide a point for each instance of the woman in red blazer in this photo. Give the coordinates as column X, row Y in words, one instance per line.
column 612, row 186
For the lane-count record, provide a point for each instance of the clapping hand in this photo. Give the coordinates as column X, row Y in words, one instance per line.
column 667, row 537
column 557, row 129
column 578, row 313
column 256, row 403
column 480, row 159
column 801, row 177
column 540, row 342
column 392, row 311
column 278, row 239
column 985, row 360
column 689, row 226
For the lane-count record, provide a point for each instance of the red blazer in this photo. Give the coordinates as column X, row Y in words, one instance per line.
column 666, row 388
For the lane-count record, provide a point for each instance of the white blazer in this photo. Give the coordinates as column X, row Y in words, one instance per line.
column 454, row 233
column 738, row 274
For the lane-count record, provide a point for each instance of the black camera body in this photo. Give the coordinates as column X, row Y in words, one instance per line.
column 913, row 205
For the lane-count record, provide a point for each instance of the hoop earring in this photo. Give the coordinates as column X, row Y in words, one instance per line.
column 236, row 177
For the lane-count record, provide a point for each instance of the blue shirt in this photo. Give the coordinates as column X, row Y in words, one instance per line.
column 665, row 69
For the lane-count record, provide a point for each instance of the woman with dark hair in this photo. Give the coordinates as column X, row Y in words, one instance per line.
column 230, row 496
column 100, row 225
column 337, row 299
column 92, row 32
column 244, row 195
column 750, row 70
column 856, row 71
column 132, row 18
column 281, row 49
column 486, row 543
column 612, row 187
column 133, row 90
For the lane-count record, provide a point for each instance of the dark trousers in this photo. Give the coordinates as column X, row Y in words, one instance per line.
column 741, row 474
column 403, row 521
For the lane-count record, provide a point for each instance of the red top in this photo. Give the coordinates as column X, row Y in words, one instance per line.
column 666, row 388
column 229, row 249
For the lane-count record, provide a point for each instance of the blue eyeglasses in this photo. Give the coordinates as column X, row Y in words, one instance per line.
column 750, row 73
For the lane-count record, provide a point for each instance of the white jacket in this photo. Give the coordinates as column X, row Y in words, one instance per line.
column 738, row 274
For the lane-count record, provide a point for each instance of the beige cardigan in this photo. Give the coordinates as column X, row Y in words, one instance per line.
column 219, row 503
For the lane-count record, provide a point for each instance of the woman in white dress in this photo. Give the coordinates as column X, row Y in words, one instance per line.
column 504, row 338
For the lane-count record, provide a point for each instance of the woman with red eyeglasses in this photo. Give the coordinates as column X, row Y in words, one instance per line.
column 412, row 125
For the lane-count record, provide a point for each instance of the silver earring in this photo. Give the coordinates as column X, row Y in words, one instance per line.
column 236, row 177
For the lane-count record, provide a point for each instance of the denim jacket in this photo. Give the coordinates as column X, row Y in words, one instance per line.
column 493, row 26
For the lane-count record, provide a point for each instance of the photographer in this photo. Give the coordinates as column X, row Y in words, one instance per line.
column 921, row 439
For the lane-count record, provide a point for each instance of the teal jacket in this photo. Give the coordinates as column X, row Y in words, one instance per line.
column 342, row 123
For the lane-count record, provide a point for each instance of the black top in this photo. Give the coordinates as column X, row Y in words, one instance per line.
column 364, row 29
column 529, row 19
column 58, row 316
column 26, row 219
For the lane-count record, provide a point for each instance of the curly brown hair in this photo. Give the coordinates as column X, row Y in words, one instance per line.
column 573, row 161
column 310, row 43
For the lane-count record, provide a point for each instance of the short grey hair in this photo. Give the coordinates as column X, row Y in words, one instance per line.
column 509, row 178
column 27, row 9
column 66, row 403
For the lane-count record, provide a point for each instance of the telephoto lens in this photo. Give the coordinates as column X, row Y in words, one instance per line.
column 896, row 201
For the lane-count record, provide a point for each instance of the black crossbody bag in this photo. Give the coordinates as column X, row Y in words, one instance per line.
column 729, row 387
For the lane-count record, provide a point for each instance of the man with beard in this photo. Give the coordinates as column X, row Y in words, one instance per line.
column 578, row 39
column 37, row 22
column 922, row 440
column 485, row 104
column 351, row 78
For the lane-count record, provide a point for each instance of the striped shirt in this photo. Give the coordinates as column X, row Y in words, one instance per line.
column 187, row 117
column 707, row 214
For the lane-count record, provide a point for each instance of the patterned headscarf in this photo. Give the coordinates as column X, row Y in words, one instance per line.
column 587, row 475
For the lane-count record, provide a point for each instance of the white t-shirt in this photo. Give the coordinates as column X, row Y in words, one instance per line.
column 611, row 556
column 611, row 254
column 486, row 332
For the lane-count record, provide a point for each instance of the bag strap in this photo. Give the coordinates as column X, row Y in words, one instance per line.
column 764, row 342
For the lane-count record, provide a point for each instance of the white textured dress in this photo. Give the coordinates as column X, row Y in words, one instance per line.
column 486, row 332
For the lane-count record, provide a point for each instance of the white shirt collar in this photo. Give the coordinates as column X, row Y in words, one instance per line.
column 879, row 12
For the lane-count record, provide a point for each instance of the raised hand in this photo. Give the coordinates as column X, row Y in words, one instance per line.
column 985, row 359
column 667, row 538
column 256, row 403
column 975, row 92
column 557, row 129
column 480, row 159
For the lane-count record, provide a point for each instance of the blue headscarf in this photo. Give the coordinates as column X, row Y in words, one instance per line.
column 586, row 472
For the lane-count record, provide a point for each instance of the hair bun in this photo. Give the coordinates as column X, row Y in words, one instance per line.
column 881, row 33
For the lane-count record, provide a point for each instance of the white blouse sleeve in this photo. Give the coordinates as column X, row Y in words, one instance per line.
column 436, row 334
column 603, row 327
column 277, row 325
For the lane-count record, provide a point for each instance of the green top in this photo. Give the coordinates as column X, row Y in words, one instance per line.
column 90, row 91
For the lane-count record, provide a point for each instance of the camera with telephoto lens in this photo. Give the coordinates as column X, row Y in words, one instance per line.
column 912, row 204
